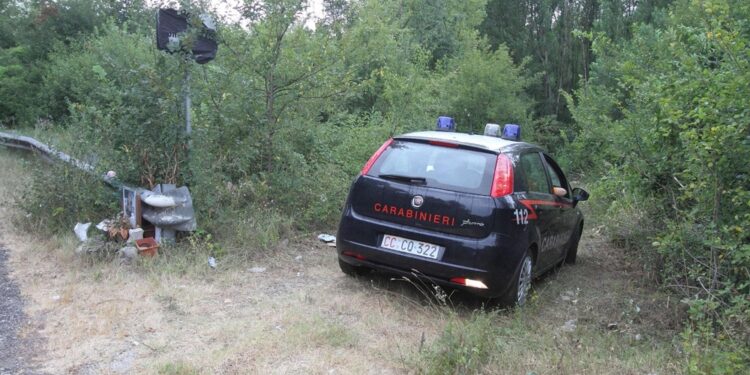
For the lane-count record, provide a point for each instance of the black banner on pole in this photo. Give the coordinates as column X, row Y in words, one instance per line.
column 170, row 23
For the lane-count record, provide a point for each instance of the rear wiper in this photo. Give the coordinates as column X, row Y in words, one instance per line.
column 398, row 177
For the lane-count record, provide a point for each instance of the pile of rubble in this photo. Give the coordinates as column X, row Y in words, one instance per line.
column 148, row 218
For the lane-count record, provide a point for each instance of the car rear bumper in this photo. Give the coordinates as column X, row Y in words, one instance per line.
column 492, row 260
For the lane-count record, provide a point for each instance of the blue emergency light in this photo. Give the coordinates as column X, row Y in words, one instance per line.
column 511, row 132
column 445, row 124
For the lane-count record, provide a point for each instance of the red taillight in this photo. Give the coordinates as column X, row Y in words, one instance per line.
column 443, row 144
column 469, row 282
column 375, row 156
column 502, row 183
column 459, row 280
column 353, row 255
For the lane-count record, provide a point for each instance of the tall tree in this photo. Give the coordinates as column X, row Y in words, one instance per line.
column 284, row 67
column 554, row 36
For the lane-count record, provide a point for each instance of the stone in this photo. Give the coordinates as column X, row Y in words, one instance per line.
column 128, row 252
column 569, row 326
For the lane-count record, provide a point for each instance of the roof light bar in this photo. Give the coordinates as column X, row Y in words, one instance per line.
column 491, row 130
column 445, row 124
column 512, row 132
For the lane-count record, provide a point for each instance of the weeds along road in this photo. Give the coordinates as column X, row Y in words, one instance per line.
column 291, row 311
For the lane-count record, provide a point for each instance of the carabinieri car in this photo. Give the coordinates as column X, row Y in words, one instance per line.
column 485, row 213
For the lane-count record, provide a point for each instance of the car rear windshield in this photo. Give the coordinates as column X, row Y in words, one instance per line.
column 449, row 168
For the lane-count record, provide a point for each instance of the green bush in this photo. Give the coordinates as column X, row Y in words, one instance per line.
column 664, row 118
column 62, row 195
column 17, row 91
column 123, row 98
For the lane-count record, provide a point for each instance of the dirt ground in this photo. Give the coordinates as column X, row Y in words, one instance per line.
column 293, row 311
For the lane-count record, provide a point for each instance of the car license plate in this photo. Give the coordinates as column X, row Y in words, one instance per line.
column 413, row 247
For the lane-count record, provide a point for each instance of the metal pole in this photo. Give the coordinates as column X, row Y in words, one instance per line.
column 188, row 125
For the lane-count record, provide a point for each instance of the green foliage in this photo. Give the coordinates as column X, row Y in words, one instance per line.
column 62, row 195
column 441, row 27
column 177, row 368
column 10, row 15
column 541, row 33
column 50, row 23
column 667, row 116
column 123, row 97
column 16, row 104
column 463, row 347
column 30, row 31
column 486, row 87
column 290, row 115
column 286, row 115
column 552, row 38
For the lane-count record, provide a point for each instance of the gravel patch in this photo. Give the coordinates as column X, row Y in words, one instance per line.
column 15, row 352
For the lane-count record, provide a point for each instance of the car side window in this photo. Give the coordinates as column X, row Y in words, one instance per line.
column 533, row 170
column 556, row 175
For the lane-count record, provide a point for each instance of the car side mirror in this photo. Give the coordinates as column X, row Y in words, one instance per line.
column 580, row 195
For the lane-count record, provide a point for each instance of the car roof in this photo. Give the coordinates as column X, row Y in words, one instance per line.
column 485, row 142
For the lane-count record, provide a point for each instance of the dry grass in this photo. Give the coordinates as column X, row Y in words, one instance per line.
column 302, row 315
column 621, row 325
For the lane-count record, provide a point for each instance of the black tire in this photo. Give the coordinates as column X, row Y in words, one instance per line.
column 352, row 270
column 520, row 291
column 570, row 257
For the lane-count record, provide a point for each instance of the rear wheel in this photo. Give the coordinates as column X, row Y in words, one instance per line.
column 570, row 258
column 519, row 293
column 352, row 270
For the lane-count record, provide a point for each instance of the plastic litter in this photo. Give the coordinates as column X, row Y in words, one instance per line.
column 104, row 225
column 327, row 237
column 180, row 216
column 171, row 220
column 212, row 262
column 257, row 269
column 81, row 231
column 135, row 234
column 157, row 200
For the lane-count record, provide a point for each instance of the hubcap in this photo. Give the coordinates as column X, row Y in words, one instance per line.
column 524, row 281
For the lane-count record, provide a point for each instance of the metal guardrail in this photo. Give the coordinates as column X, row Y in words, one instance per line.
column 185, row 209
column 31, row 144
